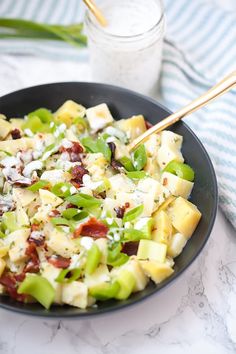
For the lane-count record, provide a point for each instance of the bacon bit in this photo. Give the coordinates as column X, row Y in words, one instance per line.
column 54, row 213
column 19, row 277
column 93, row 228
column 112, row 147
column 77, row 173
column 117, row 166
column 148, row 125
column 15, row 133
column 35, row 227
column 8, row 280
column 33, row 264
column 75, row 184
column 37, row 238
column 127, row 205
column 120, row 212
column 70, row 206
column 130, row 248
column 165, row 181
column 59, row 262
column 74, row 151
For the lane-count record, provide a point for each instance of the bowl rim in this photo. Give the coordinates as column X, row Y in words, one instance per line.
column 120, row 305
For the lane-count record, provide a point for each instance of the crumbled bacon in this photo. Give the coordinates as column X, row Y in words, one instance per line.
column 93, row 228
column 37, row 237
column 35, row 227
column 148, row 125
column 70, row 205
column 33, row 264
column 54, row 213
column 77, row 173
column 15, row 133
column 74, row 151
column 59, row 262
column 130, row 248
column 165, row 181
column 8, row 280
column 121, row 210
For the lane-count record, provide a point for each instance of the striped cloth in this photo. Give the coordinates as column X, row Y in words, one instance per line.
column 200, row 48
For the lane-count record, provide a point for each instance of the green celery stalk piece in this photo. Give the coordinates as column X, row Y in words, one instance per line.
column 104, row 291
column 140, row 157
column 43, row 114
column 93, row 259
column 126, row 281
column 127, row 163
column 39, row 288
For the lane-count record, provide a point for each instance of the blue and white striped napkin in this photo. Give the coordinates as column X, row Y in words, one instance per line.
column 200, row 48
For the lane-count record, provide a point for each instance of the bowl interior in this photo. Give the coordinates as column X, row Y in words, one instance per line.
column 123, row 104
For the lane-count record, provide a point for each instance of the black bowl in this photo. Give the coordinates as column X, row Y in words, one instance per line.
column 123, row 104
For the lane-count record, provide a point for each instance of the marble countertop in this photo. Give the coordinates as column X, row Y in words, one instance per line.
column 196, row 313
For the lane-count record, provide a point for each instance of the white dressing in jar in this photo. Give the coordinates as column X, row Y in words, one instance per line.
column 128, row 52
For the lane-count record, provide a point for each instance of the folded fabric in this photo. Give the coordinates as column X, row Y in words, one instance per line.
column 200, row 48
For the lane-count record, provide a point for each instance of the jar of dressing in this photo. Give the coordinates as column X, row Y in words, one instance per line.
column 127, row 52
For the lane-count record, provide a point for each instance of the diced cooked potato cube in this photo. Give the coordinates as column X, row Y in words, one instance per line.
column 176, row 185
column 121, row 150
column 2, row 266
column 47, row 197
column 176, row 245
column 152, row 250
column 18, row 244
column 184, row 215
column 23, row 196
column 75, row 294
column 96, row 165
column 152, row 144
column 51, row 273
column 166, row 203
column 5, row 128
column 13, row 146
column 108, row 206
column 166, row 154
column 171, row 140
column 61, row 243
column 133, row 126
column 102, row 245
column 68, row 111
column 152, row 168
column 120, row 183
column 3, row 250
column 156, row 271
column 99, row 117
column 21, row 217
column 162, row 228
column 17, row 123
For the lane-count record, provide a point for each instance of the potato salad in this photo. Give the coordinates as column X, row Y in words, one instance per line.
column 83, row 220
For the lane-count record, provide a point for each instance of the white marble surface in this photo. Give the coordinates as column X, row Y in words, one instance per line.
column 195, row 314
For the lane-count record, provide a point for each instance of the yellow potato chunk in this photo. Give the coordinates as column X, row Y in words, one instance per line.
column 148, row 249
column 5, row 128
column 68, row 111
column 156, row 271
column 2, row 266
column 75, row 294
column 162, row 228
column 176, row 245
column 99, row 117
column 17, row 123
column 49, row 198
column 50, row 273
column 176, row 185
column 133, row 126
column 13, row 146
column 185, row 216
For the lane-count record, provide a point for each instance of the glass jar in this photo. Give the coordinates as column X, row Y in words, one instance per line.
column 128, row 52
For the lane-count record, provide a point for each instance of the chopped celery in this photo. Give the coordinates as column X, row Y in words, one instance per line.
column 75, row 274
column 180, row 169
column 38, row 185
column 133, row 213
column 127, row 163
column 126, row 280
column 140, row 157
column 9, row 221
column 62, row 189
column 93, row 259
column 136, row 174
column 104, row 291
column 84, row 200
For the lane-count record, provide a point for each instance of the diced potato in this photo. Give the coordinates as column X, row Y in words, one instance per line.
column 17, row 123
column 152, row 144
column 120, row 183
column 68, row 111
column 23, row 196
column 133, row 266
column 3, row 250
column 152, row 168
column 121, row 150
column 166, row 154
column 108, row 207
column 156, row 271
column 47, row 197
column 21, row 217
column 96, row 165
column 176, row 245
column 18, row 244
column 13, row 146
column 162, row 228
column 56, row 176
column 171, row 140
column 5, row 128
column 39, row 214
column 99, row 117
column 75, row 294
column 100, row 275
column 152, row 250
column 165, row 204
column 2, row 266
column 176, row 185
column 61, row 243
column 133, row 126
column 184, row 215
column 51, row 273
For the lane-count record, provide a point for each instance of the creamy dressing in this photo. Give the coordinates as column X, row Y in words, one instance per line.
column 128, row 51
